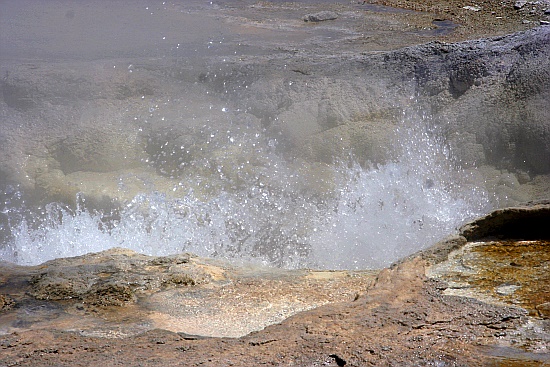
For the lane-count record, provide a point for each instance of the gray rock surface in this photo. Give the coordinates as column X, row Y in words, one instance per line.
column 320, row 16
column 520, row 4
column 114, row 278
column 523, row 222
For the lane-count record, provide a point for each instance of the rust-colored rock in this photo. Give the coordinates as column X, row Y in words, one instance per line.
column 402, row 319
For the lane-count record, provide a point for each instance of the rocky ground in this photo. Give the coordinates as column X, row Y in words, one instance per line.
column 480, row 18
column 476, row 299
column 480, row 298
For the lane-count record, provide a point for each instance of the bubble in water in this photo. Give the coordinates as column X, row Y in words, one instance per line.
column 374, row 215
column 390, row 211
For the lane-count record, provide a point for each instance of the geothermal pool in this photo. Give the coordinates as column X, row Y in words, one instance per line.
column 369, row 218
column 169, row 127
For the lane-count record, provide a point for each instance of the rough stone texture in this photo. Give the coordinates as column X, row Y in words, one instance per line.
column 520, row 4
column 320, row 17
column 544, row 310
column 113, row 278
column 480, row 303
column 526, row 222
column 182, row 293
column 501, row 121
column 5, row 302
column 501, row 272
column 403, row 319
column 523, row 222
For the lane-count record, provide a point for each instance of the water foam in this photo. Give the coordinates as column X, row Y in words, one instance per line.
column 385, row 213
column 374, row 216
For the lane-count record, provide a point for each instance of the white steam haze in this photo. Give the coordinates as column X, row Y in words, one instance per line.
column 172, row 127
column 372, row 217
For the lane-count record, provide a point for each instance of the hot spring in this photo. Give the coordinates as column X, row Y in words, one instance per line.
column 195, row 130
column 370, row 216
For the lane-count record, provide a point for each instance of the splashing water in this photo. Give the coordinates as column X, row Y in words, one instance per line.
column 374, row 216
column 388, row 212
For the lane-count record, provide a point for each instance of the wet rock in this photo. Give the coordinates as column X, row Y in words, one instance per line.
column 317, row 108
column 446, row 75
column 522, row 222
column 507, row 289
column 523, row 177
column 402, row 316
column 16, row 96
column 519, row 4
column 112, row 278
column 320, row 16
column 98, row 150
column 464, row 75
column 182, row 293
column 6, row 302
column 498, row 272
column 439, row 252
column 476, row 296
column 512, row 269
column 544, row 310
column 65, row 310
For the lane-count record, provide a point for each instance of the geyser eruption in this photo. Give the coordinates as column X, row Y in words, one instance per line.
column 386, row 212
column 370, row 216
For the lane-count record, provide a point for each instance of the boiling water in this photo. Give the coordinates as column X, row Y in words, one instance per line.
column 385, row 213
column 369, row 218
column 241, row 198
